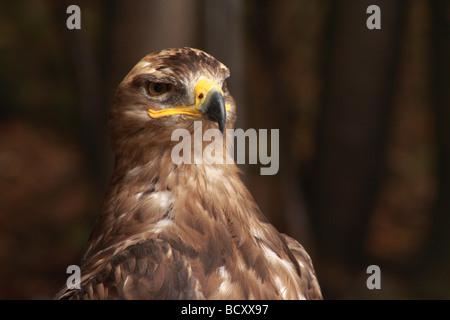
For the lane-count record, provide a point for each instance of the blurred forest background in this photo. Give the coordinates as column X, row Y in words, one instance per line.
column 364, row 119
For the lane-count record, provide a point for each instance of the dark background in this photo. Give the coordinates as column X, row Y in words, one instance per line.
column 364, row 120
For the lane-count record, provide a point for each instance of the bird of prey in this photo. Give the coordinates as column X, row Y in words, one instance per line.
column 182, row 230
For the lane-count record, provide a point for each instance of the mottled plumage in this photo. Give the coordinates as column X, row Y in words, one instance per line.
column 186, row 231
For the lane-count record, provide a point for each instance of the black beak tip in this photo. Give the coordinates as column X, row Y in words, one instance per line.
column 215, row 109
column 222, row 125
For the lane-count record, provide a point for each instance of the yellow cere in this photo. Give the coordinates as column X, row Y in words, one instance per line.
column 201, row 90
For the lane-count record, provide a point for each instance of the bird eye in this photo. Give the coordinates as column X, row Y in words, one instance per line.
column 224, row 86
column 158, row 88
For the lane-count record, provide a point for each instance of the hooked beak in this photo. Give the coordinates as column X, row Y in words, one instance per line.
column 211, row 102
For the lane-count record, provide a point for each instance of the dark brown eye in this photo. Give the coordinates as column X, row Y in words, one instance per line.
column 158, row 88
column 224, row 86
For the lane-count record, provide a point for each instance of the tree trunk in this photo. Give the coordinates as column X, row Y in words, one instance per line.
column 360, row 80
column 434, row 278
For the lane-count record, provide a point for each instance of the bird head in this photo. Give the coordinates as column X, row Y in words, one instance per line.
column 169, row 90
